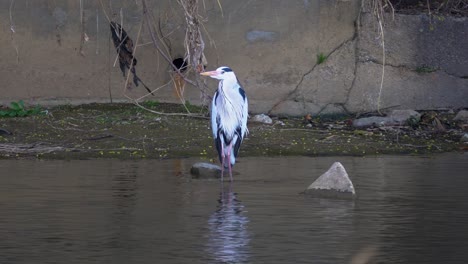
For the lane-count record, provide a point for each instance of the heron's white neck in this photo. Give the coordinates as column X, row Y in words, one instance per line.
column 229, row 84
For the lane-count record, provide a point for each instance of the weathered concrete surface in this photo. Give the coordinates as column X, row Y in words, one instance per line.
column 405, row 89
column 51, row 53
column 61, row 60
column 415, row 41
column 269, row 45
column 334, row 180
column 425, row 64
column 290, row 35
column 325, row 87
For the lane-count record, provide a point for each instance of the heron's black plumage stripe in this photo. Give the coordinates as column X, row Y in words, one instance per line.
column 215, row 96
column 238, row 141
column 227, row 69
column 218, row 144
column 242, row 92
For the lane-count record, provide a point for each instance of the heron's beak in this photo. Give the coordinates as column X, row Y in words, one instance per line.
column 209, row 73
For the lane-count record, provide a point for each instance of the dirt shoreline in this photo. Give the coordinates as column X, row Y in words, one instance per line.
column 125, row 131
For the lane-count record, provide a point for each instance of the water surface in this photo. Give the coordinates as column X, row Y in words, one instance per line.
column 408, row 210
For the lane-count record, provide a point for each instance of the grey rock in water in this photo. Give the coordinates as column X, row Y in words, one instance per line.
column 262, row 118
column 403, row 116
column 335, row 182
column 461, row 116
column 204, row 170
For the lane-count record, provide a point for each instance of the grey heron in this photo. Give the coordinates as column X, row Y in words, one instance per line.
column 229, row 110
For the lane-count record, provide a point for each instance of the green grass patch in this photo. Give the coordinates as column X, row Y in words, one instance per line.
column 321, row 58
column 192, row 108
column 17, row 109
column 425, row 69
column 150, row 104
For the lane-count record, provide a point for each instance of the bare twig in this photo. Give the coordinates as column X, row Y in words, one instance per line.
column 139, row 99
column 13, row 31
column 135, row 102
column 383, row 63
column 378, row 8
column 109, row 67
column 220, row 8
column 36, row 148
column 97, row 32
column 83, row 34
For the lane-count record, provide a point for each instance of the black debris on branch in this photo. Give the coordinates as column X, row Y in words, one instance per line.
column 124, row 47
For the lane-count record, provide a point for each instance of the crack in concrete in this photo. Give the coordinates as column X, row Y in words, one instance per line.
column 356, row 61
column 352, row 85
column 296, row 88
column 406, row 67
column 336, row 105
column 375, row 61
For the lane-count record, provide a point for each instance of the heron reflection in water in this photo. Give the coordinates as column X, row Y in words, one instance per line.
column 229, row 237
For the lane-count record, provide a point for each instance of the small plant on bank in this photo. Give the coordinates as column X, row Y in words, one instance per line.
column 150, row 104
column 192, row 108
column 321, row 58
column 425, row 69
column 17, row 109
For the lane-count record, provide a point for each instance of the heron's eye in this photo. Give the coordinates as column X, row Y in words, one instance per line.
column 222, row 72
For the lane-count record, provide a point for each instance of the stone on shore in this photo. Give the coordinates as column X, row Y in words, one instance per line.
column 334, row 183
column 461, row 116
column 396, row 117
column 262, row 118
column 372, row 121
column 464, row 138
column 205, row 170
column 5, row 132
column 403, row 116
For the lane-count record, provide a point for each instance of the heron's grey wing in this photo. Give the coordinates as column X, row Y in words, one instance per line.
column 215, row 126
column 214, row 116
column 242, row 128
column 245, row 114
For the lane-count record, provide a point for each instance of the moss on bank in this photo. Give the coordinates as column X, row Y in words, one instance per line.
column 126, row 131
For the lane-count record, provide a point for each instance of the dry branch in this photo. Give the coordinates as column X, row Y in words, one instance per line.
column 13, row 31
column 29, row 148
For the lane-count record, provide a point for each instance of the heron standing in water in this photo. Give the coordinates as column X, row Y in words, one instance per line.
column 229, row 110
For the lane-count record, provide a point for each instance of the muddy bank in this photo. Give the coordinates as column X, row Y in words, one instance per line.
column 127, row 131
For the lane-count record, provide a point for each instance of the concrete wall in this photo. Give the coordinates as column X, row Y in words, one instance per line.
column 271, row 45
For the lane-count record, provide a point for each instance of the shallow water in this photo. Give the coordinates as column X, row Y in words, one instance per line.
column 408, row 210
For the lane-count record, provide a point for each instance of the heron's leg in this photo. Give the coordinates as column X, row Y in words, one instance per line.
column 222, row 162
column 229, row 161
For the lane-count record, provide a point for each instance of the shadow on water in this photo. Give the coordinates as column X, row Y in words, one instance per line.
column 228, row 228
